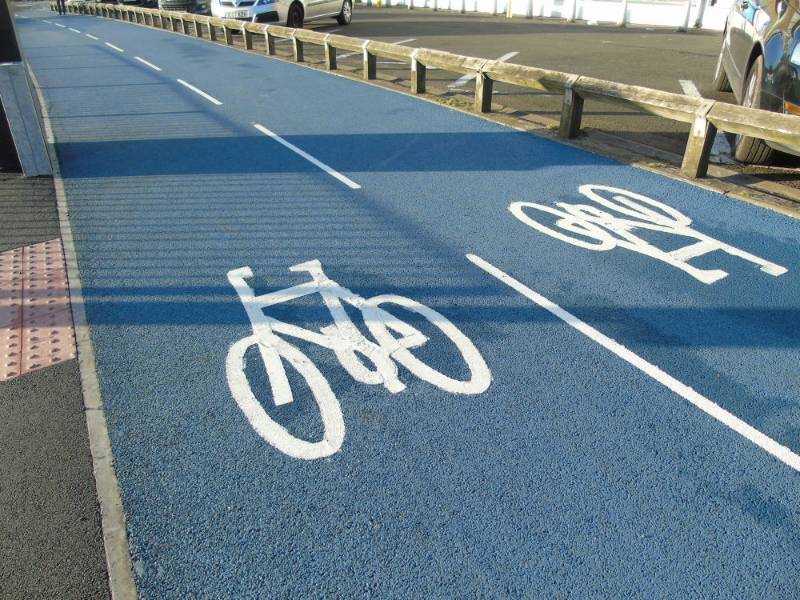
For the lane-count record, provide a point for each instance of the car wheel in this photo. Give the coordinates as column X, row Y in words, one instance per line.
column 721, row 82
column 295, row 17
column 748, row 149
column 346, row 15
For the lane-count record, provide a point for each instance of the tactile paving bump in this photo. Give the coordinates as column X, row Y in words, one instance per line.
column 35, row 316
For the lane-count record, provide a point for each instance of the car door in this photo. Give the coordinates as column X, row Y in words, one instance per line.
column 318, row 8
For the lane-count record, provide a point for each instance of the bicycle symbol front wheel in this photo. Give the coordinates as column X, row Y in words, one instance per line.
column 379, row 322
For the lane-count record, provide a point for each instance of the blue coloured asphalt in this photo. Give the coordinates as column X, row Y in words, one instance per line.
column 574, row 474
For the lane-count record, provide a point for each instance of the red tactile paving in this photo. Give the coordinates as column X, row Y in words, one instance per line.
column 35, row 316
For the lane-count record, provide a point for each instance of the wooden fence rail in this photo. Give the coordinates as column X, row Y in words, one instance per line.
column 705, row 116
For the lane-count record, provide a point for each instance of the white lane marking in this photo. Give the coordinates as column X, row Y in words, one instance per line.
column 400, row 43
column 330, row 171
column 91, row 37
column 73, row 29
column 689, row 88
column 721, row 151
column 462, row 81
column 60, row 25
column 113, row 47
column 200, row 92
column 46, row 21
column 782, row 453
column 149, row 64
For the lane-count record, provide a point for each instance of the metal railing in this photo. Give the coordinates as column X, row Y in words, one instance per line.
column 705, row 116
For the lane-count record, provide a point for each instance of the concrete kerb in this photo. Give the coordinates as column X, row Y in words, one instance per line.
column 115, row 537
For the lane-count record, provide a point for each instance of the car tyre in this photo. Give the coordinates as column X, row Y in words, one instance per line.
column 721, row 82
column 346, row 15
column 753, row 150
column 295, row 17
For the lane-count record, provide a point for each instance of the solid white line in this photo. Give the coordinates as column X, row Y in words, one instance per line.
column 721, row 151
column 75, row 30
column 113, row 47
column 348, row 54
column 332, row 172
column 149, row 64
column 60, row 25
column 200, row 92
column 91, row 37
column 782, row 453
column 462, row 81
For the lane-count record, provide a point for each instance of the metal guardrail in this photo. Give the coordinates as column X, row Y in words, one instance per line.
column 705, row 116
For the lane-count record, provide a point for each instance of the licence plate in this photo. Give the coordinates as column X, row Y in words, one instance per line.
column 238, row 14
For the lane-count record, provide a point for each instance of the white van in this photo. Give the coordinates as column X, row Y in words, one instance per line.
column 291, row 12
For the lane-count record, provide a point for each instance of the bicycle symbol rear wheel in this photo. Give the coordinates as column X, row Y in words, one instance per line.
column 271, row 431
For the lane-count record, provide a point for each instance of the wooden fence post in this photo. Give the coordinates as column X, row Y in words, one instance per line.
column 297, row 48
column 228, row 35
column 571, row 113
column 370, row 63
column 417, row 75
column 698, row 146
column 248, row 38
column 330, row 55
column 269, row 42
column 483, row 93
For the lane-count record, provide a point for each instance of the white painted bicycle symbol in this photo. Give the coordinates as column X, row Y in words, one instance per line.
column 348, row 344
column 614, row 222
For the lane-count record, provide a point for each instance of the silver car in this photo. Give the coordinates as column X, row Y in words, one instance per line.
column 291, row 12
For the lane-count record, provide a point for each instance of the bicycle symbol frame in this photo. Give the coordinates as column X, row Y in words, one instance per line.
column 347, row 343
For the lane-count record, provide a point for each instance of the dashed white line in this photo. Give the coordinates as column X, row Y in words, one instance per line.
column 200, row 92
column 330, row 171
column 721, row 150
column 149, row 64
column 400, row 43
column 60, row 25
column 46, row 21
column 91, row 37
column 113, row 47
column 462, row 81
column 782, row 453
column 73, row 29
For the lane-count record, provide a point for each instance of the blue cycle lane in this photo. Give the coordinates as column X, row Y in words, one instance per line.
column 575, row 473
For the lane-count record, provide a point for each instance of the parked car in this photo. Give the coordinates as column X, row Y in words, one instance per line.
column 193, row 6
column 760, row 62
column 292, row 12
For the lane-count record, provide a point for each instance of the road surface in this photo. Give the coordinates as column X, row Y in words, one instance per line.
column 593, row 390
